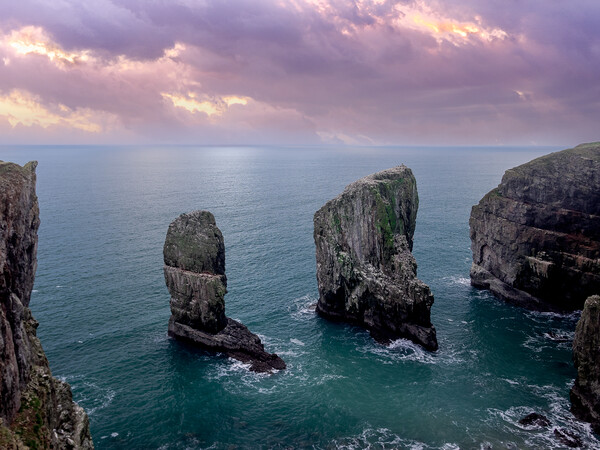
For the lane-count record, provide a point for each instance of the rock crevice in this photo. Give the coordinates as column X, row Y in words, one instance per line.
column 366, row 272
column 194, row 255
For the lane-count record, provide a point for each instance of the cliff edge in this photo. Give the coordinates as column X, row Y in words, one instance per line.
column 194, row 255
column 536, row 237
column 36, row 409
column 366, row 272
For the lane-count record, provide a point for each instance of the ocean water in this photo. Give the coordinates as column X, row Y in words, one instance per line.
column 103, row 307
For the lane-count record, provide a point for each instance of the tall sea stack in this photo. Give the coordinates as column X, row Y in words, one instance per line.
column 36, row 409
column 585, row 394
column 536, row 237
column 194, row 255
column 366, row 272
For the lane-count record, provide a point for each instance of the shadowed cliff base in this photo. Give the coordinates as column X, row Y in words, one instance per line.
column 365, row 269
column 194, row 255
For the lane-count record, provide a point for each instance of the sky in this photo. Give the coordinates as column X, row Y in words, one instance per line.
column 300, row 72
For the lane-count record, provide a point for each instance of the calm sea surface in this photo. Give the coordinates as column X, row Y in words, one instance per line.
column 103, row 307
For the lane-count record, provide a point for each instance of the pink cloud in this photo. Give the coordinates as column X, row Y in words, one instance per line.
column 369, row 71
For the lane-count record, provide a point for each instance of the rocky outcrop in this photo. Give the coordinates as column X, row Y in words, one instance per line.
column 585, row 394
column 365, row 269
column 36, row 409
column 536, row 237
column 194, row 255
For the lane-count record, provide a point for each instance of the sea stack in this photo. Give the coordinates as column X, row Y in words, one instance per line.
column 36, row 409
column 366, row 272
column 536, row 237
column 194, row 255
column 585, row 394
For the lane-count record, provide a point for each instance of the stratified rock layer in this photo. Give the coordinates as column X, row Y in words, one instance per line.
column 194, row 254
column 585, row 394
column 365, row 269
column 536, row 237
column 36, row 410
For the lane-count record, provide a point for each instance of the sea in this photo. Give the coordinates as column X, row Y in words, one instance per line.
column 103, row 307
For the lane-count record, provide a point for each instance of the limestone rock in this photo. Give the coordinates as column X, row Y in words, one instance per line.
column 365, row 269
column 536, row 237
column 36, row 409
column 194, row 255
column 585, row 394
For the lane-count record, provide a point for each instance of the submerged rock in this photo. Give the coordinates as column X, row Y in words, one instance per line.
column 36, row 409
column 365, row 269
column 536, row 237
column 194, row 255
column 585, row 394
column 535, row 420
column 568, row 438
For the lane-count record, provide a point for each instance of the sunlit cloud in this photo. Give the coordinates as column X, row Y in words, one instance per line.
column 34, row 40
column 214, row 107
column 22, row 108
column 442, row 27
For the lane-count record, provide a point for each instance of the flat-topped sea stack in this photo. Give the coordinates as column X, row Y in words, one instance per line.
column 536, row 237
column 194, row 255
column 366, row 272
column 36, row 409
column 585, row 394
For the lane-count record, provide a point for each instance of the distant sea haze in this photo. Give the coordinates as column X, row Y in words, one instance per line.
column 103, row 307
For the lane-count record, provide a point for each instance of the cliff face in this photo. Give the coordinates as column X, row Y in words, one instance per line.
column 585, row 394
column 194, row 255
column 536, row 237
column 36, row 410
column 365, row 269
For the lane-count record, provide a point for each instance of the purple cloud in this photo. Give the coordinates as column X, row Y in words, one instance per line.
column 461, row 72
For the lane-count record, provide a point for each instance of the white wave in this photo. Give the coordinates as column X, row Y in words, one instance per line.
column 572, row 316
column 34, row 290
column 558, row 413
column 114, row 435
column 297, row 342
column 384, row 438
column 303, row 308
column 104, row 397
column 460, row 281
column 327, row 377
column 554, row 338
column 509, row 381
column 406, row 350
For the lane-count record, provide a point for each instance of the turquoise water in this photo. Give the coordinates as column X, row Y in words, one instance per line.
column 103, row 306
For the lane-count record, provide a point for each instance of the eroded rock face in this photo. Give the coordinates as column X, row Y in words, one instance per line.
column 366, row 272
column 585, row 394
column 194, row 255
column 536, row 237
column 36, row 409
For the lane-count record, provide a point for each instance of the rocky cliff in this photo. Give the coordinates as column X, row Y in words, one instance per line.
column 36, row 410
column 585, row 394
column 365, row 269
column 194, row 255
column 536, row 237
